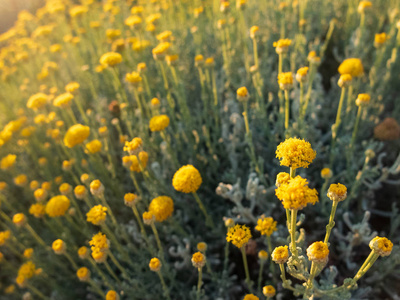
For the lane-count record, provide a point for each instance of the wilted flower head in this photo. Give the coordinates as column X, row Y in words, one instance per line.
column 381, row 245
column 337, row 192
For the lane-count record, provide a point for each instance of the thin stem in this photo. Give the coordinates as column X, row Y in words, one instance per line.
column 118, row 265
column 96, row 288
column 262, row 262
column 72, row 262
column 209, row 221
column 109, row 269
column 159, row 245
column 199, row 284
column 355, row 130
column 282, row 267
column 35, row 235
column 293, row 232
column 36, row 291
column 331, row 223
column 246, row 269
column 164, row 286
column 287, row 104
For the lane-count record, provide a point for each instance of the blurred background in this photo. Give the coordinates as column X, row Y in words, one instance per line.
column 9, row 10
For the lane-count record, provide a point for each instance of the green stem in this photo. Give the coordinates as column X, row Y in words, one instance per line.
column 331, row 223
column 209, row 221
column 199, row 284
column 355, row 130
column 287, row 104
column 293, row 232
column 246, row 269
column 262, row 262
column 35, row 235
column 159, row 245
column 164, row 286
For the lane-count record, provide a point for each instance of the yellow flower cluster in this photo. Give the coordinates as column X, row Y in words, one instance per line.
column 57, row 206
column 38, row 210
column 239, row 235
column 285, row 80
column 280, row 255
column 155, row 264
column 318, row 252
column 94, row 146
column 381, row 245
column 97, row 215
column 187, row 179
column 337, row 192
column 295, row 194
column 363, row 99
column 198, row 260
column 133, row 145
column 266, row 225
column 76, row 135
column 161, row 207
column 110, row 59
column 351, row 66
column 295, row 153
column 159, row 123
column 63, row 100
column 282, row 45
column 250, row 297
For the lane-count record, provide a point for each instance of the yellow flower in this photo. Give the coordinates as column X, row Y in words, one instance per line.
column 99, row 256
column 83, row 252
column 7, row 161
column 161, row 207
column 242, row 94
column 19, row 219
column 159, row 123
column 83, row 274
column 148, row 218
column 253, row 31
column 155, row 264
column 202, row 247
column 155, row 102
column 172, row 59
column 363, row 5
column 295, row 194
column 352, row 66
column 285, row 80
column 337, row 192
column 295, row 153
column 164, row 36
column 381, row 245
column 94, row 146
column 72, row 87
column 110, row 59
column 187, row 179
column 318, row 252
column 76, row 135
column 250, row 297
column 78, row 10
column 282, row 178
column 97, row 215
column 59, row 247
column 345, row 80
column 27, row 270
column 133, row 77
column 57, row 206
column 131, row 199
column 280, row 255
column 239, row 235
column 301, row 75
column 263, row 255
column 266, row 225
column 198, row 260
column 282, row 46
column 4, row 236
column 112, row 295
column 37, row 210
column 65, row 188
column 100, row 242
column 160, row 50
column 37, row 101
column 21, row 180
column 133, row 145
column 380, row 39
column 326, row 173
column 269, row 291
column 134, row 161
column 9, row 289
column 28, row 253
column 363, row 99
column 63, row 100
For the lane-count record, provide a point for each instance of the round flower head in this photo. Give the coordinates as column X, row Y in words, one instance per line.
column 229, row 222
column 301, row 75
column 285, row 80
column 269, row 291
column 282, row 46
column 37, row 101
column 155, row 264
column 160, row 50
column 239, row 235
column 242, row 94
column 133, row 146
column 134, row 165
column 27, row 270
column 295, row 194
column 131, row 199
column 282, row 178
column 100, row 241
column 80, row 192
column 187, row 179
column 40, row 194
column 133, row 78
column 76, row 135
column 363, row 5
column 263, row 255
column 280, row 255
column 351, row 66
column 148, row 218
column 110, row 59
column 72, row 87
column 295, row 153
column 59, row 247
column 198, row 260
column 63, row 100
column 97, row 215
column 159, row 123
column 112, row 295
column 318, row 252
column 266, row 225
column 251, row 297
column 21, row 180
column 161, row 207
column 345, row 80
column 99, row 256
column 4, row 236
column 381, row 245
column 253, row 31
column 202, row 247
column 19, row 219
column 380, row 39
column 96, row 188
column 65, row 188
column 7, row 161
column 337, row 192
column 83, row 274
column 28, row 253
column 363, row 99
column 57, row 206
column 83, row 252
column 94, row 146
column 155, row 103
column 326, row 173
column 38, row 210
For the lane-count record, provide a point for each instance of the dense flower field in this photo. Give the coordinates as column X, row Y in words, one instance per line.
column 201, row 149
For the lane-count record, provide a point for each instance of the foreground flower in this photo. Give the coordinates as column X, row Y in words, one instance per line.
column 295, row 194
column 198, row 260
column 83, row 274
column 159, row 123
column 155, row 264
column 318, row 252
column 280, row 255
column 351, row 66
column 57, row 206
column 97, row 215
column 239, row 235
column 295, row 153
column 282, row 46
column 7, row 161
column 381, row 245
column 337, row 192
column 187, row 179
column 76, row 135
column 161, row 207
